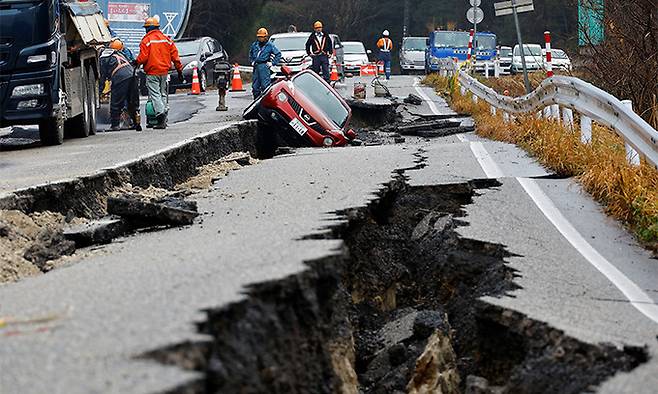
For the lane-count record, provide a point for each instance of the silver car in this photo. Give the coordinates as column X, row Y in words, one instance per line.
column 293, row 52
column 356, row 56
column 412, row 54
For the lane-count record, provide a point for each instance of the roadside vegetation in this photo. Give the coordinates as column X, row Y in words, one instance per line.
column 628, row 193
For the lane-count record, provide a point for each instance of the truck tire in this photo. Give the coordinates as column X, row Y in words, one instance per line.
column 51, row 131
column 92, row 88
column 78, row 127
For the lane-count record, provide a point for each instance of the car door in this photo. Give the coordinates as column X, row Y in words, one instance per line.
column 340, row 53
column 211, row 58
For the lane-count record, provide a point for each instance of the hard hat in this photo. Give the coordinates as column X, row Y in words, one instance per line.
column 116, row 44
column 152, row 21
column 262, row 32
column 317, row 24
column 386, row 33
column 107, row 23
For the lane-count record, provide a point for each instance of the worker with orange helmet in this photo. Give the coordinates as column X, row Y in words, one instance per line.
column 156, row 53
column 125, row 51
column 319, row 47
column 263, row 54
column 116, row 68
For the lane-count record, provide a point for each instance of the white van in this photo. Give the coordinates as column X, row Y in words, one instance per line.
column 534, row 59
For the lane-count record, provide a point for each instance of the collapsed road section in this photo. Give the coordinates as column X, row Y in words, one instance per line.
column 395, row 310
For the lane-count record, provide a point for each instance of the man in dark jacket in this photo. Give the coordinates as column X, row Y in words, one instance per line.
column 117, row 69
column 320, row 46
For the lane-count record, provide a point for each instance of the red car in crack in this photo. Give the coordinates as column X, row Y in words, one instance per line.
column 305, row 110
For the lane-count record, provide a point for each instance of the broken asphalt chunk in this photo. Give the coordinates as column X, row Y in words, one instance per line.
column 169, row 210
column 96, row 232
column 413, row 99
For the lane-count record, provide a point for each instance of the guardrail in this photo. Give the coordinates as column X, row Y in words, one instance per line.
column 557, row 97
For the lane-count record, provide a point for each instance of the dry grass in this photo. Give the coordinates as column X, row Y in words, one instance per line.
column 628, row 193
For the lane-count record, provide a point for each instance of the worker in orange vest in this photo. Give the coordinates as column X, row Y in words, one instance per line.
column 385, row 46
column 156, row 53
column 320, row 47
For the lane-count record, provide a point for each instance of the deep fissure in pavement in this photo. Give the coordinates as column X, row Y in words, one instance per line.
column 396, row 310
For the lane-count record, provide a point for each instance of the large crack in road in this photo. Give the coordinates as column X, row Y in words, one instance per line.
column 396, row 310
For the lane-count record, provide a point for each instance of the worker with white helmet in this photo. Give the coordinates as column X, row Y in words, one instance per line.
column 385, row 45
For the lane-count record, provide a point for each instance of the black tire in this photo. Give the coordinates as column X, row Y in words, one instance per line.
column 203, row 80
column 79, row 126
column 91, row 82
column 51, row 131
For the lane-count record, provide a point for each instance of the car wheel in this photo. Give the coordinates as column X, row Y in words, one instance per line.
column 51, row 131
column 91, row 82
column 203, row 80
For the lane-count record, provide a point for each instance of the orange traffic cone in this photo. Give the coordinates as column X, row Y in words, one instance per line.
column 236, row 83
column 196, row 86
column 334, row 73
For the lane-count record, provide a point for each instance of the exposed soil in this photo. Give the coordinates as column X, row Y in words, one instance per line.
column 397, row 311
column 32, row 244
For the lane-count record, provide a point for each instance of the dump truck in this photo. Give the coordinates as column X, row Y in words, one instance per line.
column 49, row 66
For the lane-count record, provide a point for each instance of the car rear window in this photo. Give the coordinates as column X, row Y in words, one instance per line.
column 313, row 89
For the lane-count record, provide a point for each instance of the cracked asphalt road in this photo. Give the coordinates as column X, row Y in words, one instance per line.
column 147, row 291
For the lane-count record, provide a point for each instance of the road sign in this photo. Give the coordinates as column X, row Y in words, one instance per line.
column 475, row 15
column 476, row 3
column 127, row 17
column 506, row 7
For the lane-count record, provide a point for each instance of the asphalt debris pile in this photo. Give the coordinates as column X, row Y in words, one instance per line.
column 30, row 244
column 414, row 128
column 397, row 311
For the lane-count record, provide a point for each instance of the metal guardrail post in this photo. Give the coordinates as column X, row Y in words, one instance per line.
column 493, row 110
column 555, row 112
column 567, row 118
column 585, row 129
column 631, row 154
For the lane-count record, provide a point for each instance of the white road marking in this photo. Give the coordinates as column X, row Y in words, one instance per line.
column 425, row 97
column 635, row 295
column 485, row 160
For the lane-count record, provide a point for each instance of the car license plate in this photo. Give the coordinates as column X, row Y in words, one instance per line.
column 298, row 126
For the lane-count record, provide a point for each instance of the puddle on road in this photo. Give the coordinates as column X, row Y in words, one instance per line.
column 396, row 311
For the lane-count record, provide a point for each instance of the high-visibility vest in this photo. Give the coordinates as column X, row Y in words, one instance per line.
column 320, row 44
column 121, row 63
column 385, row 44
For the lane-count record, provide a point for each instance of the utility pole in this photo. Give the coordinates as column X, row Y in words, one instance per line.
column 405, row 28
column 528, row 89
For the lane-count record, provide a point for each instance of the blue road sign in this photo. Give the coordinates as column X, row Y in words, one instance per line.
column 127, row 18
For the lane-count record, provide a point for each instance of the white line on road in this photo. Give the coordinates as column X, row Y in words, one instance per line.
column 425, row 97
column 638, row 298
column 487, row 163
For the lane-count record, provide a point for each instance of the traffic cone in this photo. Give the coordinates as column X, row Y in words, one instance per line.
column 236, row 83
column 196, row 86
column 334, row 73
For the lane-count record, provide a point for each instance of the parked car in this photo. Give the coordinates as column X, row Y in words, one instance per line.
column 505, row 59
column 412, row 54
column 293, row 52
column 559, row 59
column 534, row 59
column 304, row 110
column 202, row 53
column 356, row 55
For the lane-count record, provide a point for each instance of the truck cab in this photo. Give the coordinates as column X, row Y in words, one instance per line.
column 445, row 45
column 49, row 66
